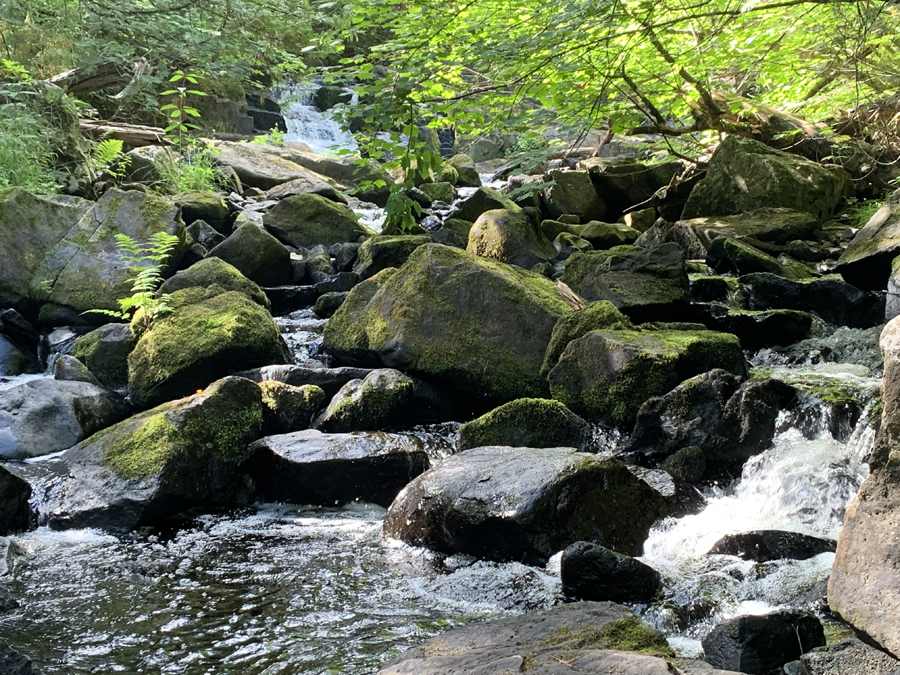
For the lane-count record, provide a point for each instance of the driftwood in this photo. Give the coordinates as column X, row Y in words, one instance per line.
column 133, row 135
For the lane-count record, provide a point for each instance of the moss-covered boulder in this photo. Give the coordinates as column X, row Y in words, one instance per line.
column 31, row 226
column 646, row 284
column 104, row 351
column 310, row 219
column 606, row 235
column 257, row 255
column 199, row 343
column 206, row 206
column 601, row 315
column 383, row 251
column 475, row 326
column 607, row 375
column 384, row 398
column 438, row 192
column 215, row 274
column 529, row 423
column 867, row 260
column 96, row 273
column 745, row 175
column 773, row 225
column 524, row 504
column 288, row 408
column 572, row 193
column 466, row 172
column 179, row 456
column 483, row 199
column 511, row 237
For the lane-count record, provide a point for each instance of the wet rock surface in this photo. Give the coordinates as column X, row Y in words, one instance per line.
column 766, row 545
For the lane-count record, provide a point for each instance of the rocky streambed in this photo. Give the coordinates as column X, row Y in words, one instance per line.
column 629, row 445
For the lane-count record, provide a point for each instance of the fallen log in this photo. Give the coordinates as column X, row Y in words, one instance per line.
column 134, row 135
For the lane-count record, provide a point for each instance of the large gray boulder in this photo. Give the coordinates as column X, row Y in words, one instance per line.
column 646, row 284
column 44, row 416
column 774, row 225
column 310, row 467
column 573, row 193
column 745, row 175
column 866, row 571
column 866, row 262
column 181, row 455
column 477, row 327
column 259, row 167
column 606, row 376
column 88, row 269
column 506, row 503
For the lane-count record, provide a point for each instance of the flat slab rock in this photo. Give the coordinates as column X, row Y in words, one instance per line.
column 567, row 639
column 310, row 467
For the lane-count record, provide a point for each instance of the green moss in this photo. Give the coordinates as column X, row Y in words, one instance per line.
column 630, row 634
column 292, row 407
column 143, row 453
column 384, row 251
column 826, row 387
column 526, row 422
column 215, row 273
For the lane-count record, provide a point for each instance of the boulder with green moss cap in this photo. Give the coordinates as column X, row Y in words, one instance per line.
column 310, row 467
column 438, row 192
column 511, row 237
column 91, row 269
column 646, row 284
column 606, row 235
column 205, row 338
column 288, row 408
column 257, row 255
column 215, row 273
column 529, row 423
column 477, row 327
column 104, row 351
column 383, row 251
column 310, row 219
column 607, row 375
column 206, row 206
column 483, row 199
column 728, row 255
column 601, row 315
column 524, row 504
column 182, row 455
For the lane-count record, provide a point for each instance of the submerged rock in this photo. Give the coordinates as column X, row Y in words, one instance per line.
column 646, row 284
column 592, row 572
column 761, row 644
column 766, row 545
column 607, row 375
column 44, row 416
column 309, row 467
column 153, row 466
column 476, row 327
column 200, row 342
column 503, row 503
column 15, row 663
column 527, row 422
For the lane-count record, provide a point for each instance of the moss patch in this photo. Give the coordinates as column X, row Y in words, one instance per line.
column 631, row 635
column 596, row 316
column 527, row 422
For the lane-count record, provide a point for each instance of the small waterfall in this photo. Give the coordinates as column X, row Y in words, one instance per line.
column 305, row 124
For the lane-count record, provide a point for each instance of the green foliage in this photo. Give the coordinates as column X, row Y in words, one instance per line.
column 145, row 304
column 12, row 71
column 181, row 116
column 272, row 137
column 861, row 212
column 194, row 171
column 108, row 158
column 26, row 157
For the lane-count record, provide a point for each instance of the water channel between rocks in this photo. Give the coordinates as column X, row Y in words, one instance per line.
column 293, row 589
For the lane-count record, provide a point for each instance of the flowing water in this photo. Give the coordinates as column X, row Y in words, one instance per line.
column 321, row 131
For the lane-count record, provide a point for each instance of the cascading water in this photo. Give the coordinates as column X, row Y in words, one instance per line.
column 306, row 124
